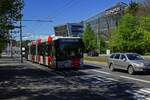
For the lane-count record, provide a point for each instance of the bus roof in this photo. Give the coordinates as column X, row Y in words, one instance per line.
column 61, row 37
column 50, row 38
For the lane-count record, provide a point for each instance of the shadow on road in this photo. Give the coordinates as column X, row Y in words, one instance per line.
column 136, row 73
column 85, row 67
column 29, row 82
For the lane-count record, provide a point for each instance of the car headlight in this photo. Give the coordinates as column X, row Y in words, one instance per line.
column 138, row 65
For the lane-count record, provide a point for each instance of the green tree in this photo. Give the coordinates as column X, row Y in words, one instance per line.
column 126, row 37
column 145, row 29
column 9, row 15
column 89, row 38
column 103, row 45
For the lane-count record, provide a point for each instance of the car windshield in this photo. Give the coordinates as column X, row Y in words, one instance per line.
column 134, row 57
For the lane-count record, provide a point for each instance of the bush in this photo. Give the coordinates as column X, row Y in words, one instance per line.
column 147, row 54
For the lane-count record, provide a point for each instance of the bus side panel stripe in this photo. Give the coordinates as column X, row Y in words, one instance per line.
column 46, row 60
column 35, row 58
column 41, row 59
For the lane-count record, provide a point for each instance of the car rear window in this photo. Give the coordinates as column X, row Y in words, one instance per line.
column 117, row 56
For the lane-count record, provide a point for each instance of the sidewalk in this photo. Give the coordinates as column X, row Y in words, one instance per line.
column 9, row 61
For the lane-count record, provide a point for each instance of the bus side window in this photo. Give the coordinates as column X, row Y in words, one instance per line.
column 40, row 49
column 53, row 50
column 49, row 49
column 46, row 50
column 39, row 46
column 43, row 49
column 33, row 50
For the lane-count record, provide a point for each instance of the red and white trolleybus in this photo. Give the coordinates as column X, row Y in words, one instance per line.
column 56, row 52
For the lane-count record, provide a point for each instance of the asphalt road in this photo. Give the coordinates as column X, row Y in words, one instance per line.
column 30, row 81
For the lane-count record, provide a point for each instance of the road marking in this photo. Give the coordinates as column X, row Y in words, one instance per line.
column 140, row 80
column 148, row 89
column 112, row 79
column 135, row 94
column 140, row 94
column 145, row 90
column 101, row 72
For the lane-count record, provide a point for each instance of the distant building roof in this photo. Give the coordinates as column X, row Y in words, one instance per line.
column 101, row 14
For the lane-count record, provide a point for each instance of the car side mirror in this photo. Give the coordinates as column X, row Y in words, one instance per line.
column 124, row 59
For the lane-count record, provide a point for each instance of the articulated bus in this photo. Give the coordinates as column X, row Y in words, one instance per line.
column 56, row 52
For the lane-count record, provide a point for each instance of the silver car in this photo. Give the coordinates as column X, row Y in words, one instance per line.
column 131, row 62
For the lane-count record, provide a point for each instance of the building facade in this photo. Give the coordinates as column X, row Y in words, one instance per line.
column 69, row 29
column 104, row 22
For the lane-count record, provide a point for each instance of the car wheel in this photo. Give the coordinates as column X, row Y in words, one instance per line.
column 130, row 70
column 111, row 67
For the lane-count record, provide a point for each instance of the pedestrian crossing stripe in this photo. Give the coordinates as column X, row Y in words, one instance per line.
column 140, row 94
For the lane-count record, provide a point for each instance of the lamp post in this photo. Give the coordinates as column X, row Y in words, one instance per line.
column 98, row 35
column 21, row 60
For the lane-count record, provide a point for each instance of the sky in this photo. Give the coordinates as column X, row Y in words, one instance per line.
column 59, row 12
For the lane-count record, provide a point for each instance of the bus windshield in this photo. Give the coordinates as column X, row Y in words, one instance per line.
column 69, row 50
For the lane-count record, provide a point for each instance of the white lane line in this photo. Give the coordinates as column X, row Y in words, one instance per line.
column 112, row 79
column 144, row 90
column 101, row 72
column 148, row 89
column 136, row 94
column 140, row 94
column 140, row 80
column 147, row 98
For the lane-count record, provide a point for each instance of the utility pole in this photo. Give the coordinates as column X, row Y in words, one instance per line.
column 98, row 33
column 21, row 59
column 11, row 52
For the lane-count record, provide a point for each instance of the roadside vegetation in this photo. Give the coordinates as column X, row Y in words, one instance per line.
column 100, row 59
column 10, row 14
column 91, row 42
column 89, row 39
